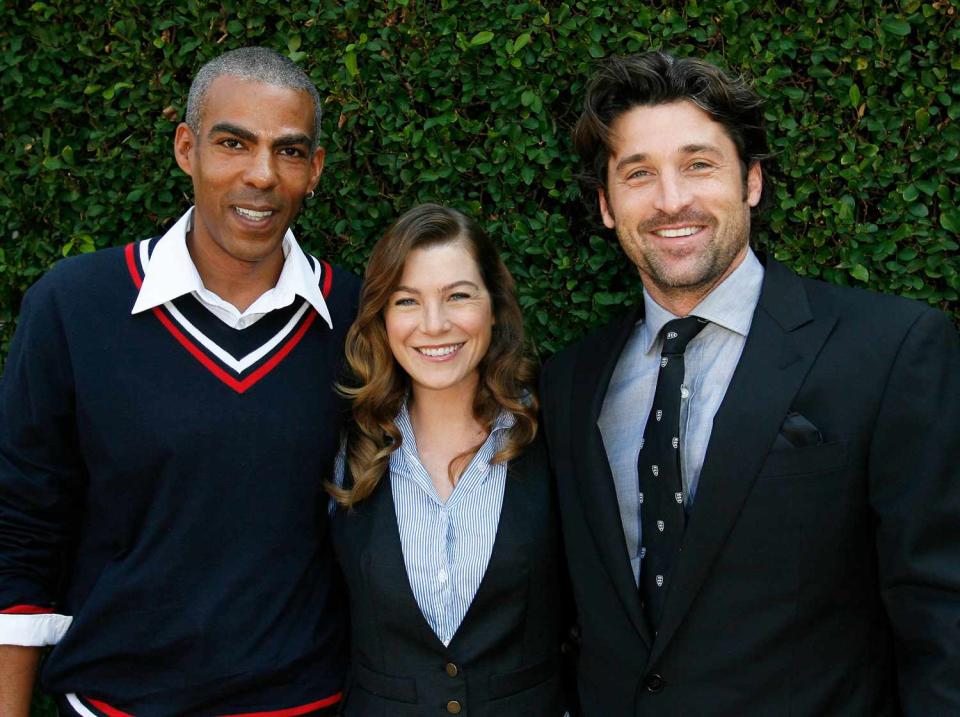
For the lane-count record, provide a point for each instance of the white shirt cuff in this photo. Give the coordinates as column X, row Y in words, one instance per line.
column 33, row 630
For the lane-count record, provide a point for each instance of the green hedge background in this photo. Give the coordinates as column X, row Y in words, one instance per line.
column 470, row 103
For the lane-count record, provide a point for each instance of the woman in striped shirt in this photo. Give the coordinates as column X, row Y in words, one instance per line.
column 446, row 525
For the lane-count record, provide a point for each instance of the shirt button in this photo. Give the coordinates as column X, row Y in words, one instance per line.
column 453, row 707
column 451, row 669
column 684, row 392
column 442, row 576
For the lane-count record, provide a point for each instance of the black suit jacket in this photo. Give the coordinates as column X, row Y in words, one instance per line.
column 813, row 580
column 504, row 660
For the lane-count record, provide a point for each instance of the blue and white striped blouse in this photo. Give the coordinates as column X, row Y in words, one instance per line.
column 446, row 546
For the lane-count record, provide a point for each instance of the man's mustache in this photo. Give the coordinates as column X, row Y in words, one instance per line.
column 689, row 216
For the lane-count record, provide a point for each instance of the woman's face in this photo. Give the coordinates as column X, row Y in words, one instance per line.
column 439, row 318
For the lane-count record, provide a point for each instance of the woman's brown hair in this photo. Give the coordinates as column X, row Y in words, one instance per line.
column 378, row 386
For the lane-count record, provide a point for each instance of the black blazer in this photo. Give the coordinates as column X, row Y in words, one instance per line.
column 814, row 580
column 504, row 658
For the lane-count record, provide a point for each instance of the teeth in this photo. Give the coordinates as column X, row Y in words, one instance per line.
column 252, row 213
column 673, row 233
column 441, row 351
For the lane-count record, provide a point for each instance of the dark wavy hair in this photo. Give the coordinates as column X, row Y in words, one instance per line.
column 654, row 78
column 378, row 385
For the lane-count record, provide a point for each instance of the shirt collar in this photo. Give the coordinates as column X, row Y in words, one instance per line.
column 171, row 273
column 731, row 303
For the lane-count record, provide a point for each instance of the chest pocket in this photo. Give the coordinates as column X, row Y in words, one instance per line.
column 822, row 458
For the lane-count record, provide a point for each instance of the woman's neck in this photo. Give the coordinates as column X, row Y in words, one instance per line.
column 448, row 412
column 445, row 430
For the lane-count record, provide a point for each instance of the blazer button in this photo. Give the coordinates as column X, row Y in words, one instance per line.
column 452, row 669
column 653, row 682
column 453, row 707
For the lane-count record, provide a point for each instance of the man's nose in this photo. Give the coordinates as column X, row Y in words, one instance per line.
column 262, row 170
column 673, row 193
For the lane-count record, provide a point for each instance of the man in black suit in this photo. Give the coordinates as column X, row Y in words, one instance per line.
column 782, row 536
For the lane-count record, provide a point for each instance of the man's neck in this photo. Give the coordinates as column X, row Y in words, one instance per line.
column 680, row 301
column 235, row 281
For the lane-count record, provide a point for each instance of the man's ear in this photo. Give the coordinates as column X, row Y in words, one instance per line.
column 184, row 142
column 754, row 184
column 316, row 167
column 605, row 211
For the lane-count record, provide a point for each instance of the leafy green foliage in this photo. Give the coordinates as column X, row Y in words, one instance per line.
column 470, row 103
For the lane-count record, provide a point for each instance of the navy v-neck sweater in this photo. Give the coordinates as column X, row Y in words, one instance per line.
column 161, row 480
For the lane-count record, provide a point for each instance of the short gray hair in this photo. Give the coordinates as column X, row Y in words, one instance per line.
column 259, row 64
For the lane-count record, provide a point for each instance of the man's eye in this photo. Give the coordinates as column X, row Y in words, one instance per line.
column 292, row 152
column 231, row 143
column 638, row 174
column 700, row 165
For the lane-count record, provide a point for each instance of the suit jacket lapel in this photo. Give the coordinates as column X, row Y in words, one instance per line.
column 595, row 365
column 507, row 554
column 392, row 562
column 783, row 342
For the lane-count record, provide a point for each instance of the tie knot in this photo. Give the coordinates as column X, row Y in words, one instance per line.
column 678, row 333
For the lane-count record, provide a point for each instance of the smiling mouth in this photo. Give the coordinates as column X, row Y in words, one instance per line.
column 676, row 233
column 253, row 213
column 439, row 351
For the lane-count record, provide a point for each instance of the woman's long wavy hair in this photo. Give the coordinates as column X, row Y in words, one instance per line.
column 378, row 385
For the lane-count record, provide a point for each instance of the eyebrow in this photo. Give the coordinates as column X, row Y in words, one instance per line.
column 697, row 148
column 631, row 159
column 448, row 287
column 286, row 140
column 685, row 149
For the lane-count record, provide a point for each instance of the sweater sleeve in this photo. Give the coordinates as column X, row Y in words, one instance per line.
column 41, row 472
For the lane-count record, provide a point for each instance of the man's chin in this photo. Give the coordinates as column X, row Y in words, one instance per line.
column 683, row 275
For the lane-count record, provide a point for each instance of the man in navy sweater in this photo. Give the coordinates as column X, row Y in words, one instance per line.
column 167, row 417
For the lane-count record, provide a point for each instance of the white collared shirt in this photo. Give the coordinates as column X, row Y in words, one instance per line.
column 171, row 273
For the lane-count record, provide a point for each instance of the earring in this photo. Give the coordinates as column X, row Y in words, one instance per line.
column 310, row 195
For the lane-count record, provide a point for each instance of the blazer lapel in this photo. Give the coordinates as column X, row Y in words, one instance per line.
column 506, row 556
column 594, row 367
column 783, row 342
column 393, row 563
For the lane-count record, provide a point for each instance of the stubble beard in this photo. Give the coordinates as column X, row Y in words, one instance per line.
column 672, row 272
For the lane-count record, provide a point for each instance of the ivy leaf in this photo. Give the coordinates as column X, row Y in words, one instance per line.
column 350, row 62
column 860, row 273
column 854, row 95
column 950, row 220
column 895, row 26
column 481, row 38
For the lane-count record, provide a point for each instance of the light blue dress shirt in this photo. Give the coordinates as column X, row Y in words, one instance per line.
column 446, row 545
column 709, row 362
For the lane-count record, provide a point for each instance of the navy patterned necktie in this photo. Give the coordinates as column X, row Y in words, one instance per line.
column 658, row 469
